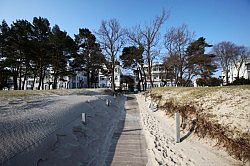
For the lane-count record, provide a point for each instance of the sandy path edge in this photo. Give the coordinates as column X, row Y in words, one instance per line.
column 162, row 149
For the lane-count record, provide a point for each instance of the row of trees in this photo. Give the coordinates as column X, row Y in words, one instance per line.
column 184, row 59
column 228, row 53
column 28, row 50
column 185, row 56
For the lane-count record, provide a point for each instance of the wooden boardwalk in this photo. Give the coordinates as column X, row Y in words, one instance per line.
column 128, row 142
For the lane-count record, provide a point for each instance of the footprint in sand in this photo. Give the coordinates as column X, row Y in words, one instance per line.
column 78, row 131
column 165, row 155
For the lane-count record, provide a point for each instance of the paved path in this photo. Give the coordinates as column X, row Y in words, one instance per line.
column 128, row 142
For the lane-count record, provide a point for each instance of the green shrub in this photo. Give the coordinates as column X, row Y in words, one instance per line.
column 208, row 81
column 241, row 81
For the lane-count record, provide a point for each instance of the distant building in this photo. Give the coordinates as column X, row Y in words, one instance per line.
column 104, row 79
column 158, row 75
column 232, row 74
column 78, row 79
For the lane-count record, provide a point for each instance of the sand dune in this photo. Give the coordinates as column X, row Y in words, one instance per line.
column 163, row 149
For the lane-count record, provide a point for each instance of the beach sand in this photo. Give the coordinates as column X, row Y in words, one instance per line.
column 163, row 149
column 47, row 130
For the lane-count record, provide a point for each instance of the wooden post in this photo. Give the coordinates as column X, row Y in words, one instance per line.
column 177, row 120
column 107, row 102
column 83, row 118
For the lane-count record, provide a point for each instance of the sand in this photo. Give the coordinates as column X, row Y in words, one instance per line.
column 230, row 106
column 47, row 130
column 163, row 149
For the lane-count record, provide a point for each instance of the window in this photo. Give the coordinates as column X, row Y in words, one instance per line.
column 116, row 78
column 248, row 66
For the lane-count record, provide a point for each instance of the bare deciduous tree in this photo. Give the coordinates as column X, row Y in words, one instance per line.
column 111, row 39
column 242, row 53
column 148, row 37
column 228, row 54
column 151, row 37
column 224, row 52
column 176, row 40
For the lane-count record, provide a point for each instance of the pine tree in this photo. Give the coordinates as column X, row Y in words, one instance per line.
column 199, row 63
column 61, row 48
column 41, row 28
column 89, row 57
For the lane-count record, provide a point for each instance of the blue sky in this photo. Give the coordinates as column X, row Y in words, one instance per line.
column 216, row 20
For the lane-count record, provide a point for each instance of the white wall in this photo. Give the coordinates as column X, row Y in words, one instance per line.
column 244, row 72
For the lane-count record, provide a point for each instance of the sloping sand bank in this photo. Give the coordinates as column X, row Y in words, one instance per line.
column 163, row 149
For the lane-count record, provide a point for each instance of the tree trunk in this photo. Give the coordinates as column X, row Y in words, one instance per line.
column 33, row 86
column 150, row 68
column 113, row 79
column 43, row 76
column 140, row 79
column 143, row 81
column 54, row 86
column 40, row 78
column 226, row 76
column 88, row 80
column 238, row 73
column 1, row 80
column 20, row 80
column 25, row 77
column 113, row 72
column 181, row 81
column 15, row 81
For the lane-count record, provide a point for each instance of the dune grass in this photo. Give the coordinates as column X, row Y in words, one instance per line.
column 187, row 94
column 182, row 99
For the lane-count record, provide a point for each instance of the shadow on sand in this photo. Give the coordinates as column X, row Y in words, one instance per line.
column 190, row 131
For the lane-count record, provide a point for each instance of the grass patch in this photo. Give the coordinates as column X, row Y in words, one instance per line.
column 188, row 94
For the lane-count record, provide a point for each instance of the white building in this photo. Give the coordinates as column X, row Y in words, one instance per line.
column 157, row 75
column 104, row 80
column 77, row 80
column 232, row 74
